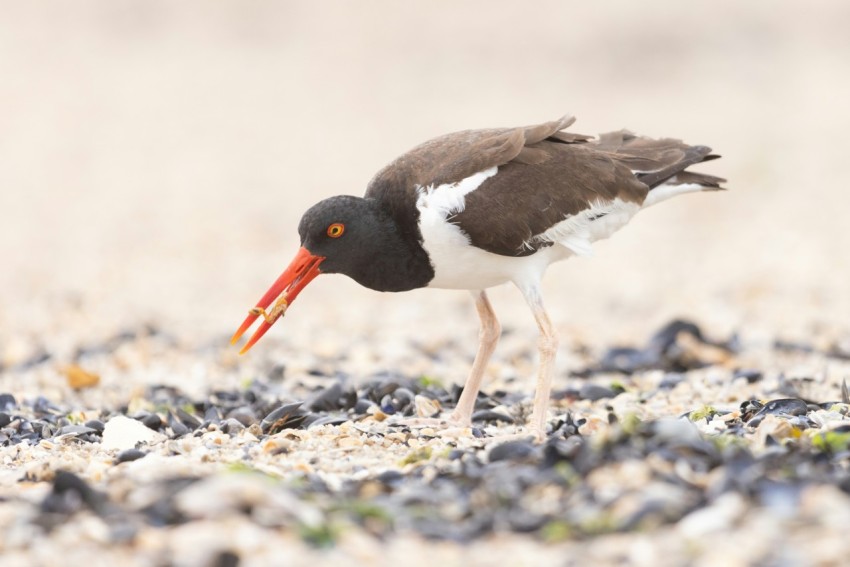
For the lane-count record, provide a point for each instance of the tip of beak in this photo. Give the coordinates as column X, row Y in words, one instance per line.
column 246, row 324
column 261, row 330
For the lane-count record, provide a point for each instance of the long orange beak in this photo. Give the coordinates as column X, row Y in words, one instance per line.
column 303, row 268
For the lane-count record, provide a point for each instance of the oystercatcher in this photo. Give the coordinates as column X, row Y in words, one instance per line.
column 478, row 208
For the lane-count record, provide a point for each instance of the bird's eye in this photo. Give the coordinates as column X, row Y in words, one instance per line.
column 336, row 229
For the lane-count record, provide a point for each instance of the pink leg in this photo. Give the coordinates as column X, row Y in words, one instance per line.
column 547, row 347
column 488, row 338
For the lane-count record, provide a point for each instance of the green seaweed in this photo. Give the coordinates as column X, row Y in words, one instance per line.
column 321, row 536
column 368, row 512
column 556, row 531
column 705, row 412
column 426, row 382
column 630, row 423
column 416, row 456
column 832, row 441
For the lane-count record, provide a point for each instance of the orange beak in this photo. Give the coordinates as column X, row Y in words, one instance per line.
column 301, row 271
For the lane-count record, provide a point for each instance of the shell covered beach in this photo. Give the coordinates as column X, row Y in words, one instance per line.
column 155, row 159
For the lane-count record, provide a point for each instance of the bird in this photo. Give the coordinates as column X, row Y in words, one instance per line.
column 479, row 208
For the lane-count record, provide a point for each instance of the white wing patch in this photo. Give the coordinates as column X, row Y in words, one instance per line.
column 670, row 189
column 578, row 232
column 457, row 263
column 450, row 199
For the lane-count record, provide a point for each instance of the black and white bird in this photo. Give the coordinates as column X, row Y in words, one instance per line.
column 478, row 208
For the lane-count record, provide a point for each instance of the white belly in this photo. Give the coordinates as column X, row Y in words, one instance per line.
column 460, row 265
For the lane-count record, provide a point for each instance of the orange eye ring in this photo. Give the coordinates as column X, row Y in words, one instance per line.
column 336, row 229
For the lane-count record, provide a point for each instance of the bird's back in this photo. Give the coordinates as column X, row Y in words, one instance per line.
column 544, row 177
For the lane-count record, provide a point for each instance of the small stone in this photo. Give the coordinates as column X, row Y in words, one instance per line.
column 79, row 378
column 152, row 421
column 332, row 398
column 425, row 406
column 129, row 455
column 594, row 392
column 177, row 428
column 772, row 428
column 232, row 426
column 671, row 380
column 751, row 375
column 276, row 445
column 226, row 559
column 387, row 405
column 789, row 406
column 287, row 416
column 122, row 432
column 512, row 451
column 244, row 415
column 73, row 431
column 349, row 442
column 7, row 402
column 70, row 494
column 316, row 420
column 491, row 416
column 782, row 407
column 363, row 405
column 95, row 424
column 377, row 414
column 188, row 419
column 212, row 415
column 716, row 517
column 679, row 431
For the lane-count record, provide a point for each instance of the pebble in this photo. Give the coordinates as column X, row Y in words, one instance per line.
column 783, row 407
column 512, row 451
column 7, row 402
column 79, row 378
column 328, row 471
column 287, row 416
column 128, row 455
column 426, row 407
column 488, row 415
column 95, row 424
column 244, row 415
column 152, row 421
column 594, row 392
column 751, row 375
column 187, row 419
column 122, row 432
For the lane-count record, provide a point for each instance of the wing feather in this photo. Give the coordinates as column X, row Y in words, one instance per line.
column 545, row 175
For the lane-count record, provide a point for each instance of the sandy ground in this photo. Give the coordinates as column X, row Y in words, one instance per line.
column 155, row 159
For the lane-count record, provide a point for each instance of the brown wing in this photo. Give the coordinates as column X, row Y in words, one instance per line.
column 502, row 219
column 451, row 158
column 545, row 175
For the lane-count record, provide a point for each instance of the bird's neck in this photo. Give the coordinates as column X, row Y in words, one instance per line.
column 397, row 262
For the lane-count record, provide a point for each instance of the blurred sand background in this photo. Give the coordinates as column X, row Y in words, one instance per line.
column 155, row 158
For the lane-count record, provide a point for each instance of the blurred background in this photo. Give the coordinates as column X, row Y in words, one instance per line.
column 155, row 158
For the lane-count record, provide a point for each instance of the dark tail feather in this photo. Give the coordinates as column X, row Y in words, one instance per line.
column 693, row 154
